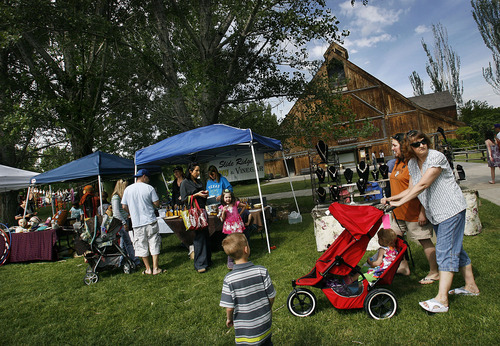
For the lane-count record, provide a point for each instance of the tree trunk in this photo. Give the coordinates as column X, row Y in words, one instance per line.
column 8, row 207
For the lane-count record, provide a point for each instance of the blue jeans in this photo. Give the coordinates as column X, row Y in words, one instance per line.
column 450, row 253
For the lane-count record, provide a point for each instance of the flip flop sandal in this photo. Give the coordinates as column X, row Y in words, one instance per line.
column 427, row 281
column 461, row 291
column 160, row 271
column 433, row 306
column 145, row 273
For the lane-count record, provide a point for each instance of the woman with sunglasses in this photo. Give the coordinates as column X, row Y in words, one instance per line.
column 410, row 217
column 192, row 187
column 433, row 181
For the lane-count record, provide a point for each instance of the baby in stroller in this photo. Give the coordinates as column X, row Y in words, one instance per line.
column 386, row 254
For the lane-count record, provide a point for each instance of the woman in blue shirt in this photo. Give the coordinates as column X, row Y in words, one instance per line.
column 216, row 183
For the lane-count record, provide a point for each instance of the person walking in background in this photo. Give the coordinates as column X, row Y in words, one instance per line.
column 216, row 183
column 433, row 181
column 140, row 200
column 493, row 152
column 231, row 218
column 410, row 218
column 75, row 212
column 192, row 187
column 122, row 215
column 247, row 294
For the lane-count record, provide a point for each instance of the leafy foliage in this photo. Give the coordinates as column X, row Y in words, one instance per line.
column 486, row 13
column 480, row 117
column 443, row 66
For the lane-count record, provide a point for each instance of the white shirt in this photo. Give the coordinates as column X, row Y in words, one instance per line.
column 444, row 198
column 139, row 198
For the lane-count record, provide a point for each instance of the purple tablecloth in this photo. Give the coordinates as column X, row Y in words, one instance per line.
column 33, row 246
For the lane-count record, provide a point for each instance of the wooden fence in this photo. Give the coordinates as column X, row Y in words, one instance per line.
column 470, row 153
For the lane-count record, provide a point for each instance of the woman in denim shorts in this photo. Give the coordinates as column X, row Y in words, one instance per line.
column 433, row 181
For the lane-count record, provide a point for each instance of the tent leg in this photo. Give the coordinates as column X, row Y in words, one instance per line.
column 290, row 179
column 260, row 196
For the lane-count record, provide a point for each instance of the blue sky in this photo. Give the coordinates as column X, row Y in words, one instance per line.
column 385, row 40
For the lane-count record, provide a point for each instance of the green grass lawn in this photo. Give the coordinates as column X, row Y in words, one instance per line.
column 48, row 303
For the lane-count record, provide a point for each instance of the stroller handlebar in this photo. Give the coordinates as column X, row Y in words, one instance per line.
column 386, row 208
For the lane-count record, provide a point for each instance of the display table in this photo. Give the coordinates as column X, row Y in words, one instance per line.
column 33, row 246
column 186, row 237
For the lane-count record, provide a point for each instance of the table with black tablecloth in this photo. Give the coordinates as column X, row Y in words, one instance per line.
column 33, row 246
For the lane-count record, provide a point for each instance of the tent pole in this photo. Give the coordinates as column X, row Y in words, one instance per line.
column 260, row 196
column 52, row 203
column 26, row 203
column 290, row 179
column 100, row 193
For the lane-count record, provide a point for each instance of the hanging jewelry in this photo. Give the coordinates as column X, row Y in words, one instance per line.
column 384, row 171
column 332, row 172
column 321, row 195
column 320, row 173
column 348, row 175
column 322, row 149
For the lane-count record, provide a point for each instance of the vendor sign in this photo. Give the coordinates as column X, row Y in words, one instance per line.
column 239, row 167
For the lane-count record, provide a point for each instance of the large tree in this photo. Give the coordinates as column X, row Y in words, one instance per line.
column 443, row 66
column 486, row 13
column 211, row 55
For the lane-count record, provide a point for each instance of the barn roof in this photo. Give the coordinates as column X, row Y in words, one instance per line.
column 433, row 101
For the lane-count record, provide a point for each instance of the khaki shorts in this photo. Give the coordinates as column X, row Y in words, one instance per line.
column 413, row 230
column 147, row 240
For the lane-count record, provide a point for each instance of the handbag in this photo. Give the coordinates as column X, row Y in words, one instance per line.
column 197, row 216
column 185, row 218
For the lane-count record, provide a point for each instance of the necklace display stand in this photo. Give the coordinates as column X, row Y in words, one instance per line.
column 334, row 193
column 348, row 175
column 332, row 172
column 363, row 170
column 321, row 192
column 322, row 149
column 320, row 173
column 361, row 185
column 384, row 171
column 375, row 175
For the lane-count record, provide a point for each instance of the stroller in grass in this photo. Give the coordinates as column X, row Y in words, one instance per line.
column 101, row 248
column 340, row 261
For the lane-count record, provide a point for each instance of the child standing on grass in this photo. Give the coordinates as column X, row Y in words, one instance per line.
column 231, row 218
column 247, row 294
column 76, row 212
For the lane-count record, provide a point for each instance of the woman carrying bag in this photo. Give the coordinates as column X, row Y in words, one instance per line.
column 192, row 187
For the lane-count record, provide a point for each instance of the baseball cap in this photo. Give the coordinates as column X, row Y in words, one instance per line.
column 142, row 172
column 497, row 125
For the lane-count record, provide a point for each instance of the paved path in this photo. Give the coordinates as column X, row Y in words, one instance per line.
column 477, row 174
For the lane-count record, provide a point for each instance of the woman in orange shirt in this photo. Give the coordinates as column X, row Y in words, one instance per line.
column 411, row 216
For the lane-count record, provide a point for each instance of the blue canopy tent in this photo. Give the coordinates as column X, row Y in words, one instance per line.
column 96, row 164
column 204, row 143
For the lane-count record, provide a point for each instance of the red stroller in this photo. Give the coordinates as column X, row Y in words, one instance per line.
column 360, row 224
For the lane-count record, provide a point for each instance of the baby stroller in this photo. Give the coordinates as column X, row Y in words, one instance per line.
column 101, row 248
column 340, row 261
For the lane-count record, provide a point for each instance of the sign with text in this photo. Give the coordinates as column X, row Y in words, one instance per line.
column 239, row 167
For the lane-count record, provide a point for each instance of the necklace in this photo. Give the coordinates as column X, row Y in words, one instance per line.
column 322, row 149
column 361, row 186
column 320, row 173
column 348, row 175
column 384, row 171
column 332, row 171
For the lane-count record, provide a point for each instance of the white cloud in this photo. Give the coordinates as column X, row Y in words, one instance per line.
column 422, row 29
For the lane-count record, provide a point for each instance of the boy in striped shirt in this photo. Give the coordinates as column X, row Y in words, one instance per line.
column 247, row 294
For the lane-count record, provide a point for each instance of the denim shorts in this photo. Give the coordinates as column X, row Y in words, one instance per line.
column 450, row 253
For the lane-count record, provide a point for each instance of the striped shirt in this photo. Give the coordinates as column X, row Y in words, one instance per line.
column 247, row 289
column 444, row 198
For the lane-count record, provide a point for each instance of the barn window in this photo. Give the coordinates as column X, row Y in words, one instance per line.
column 336, row 74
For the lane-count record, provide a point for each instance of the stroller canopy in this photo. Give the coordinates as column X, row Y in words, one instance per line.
column 356, row 219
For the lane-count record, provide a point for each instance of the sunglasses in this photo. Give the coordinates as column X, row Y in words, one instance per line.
column 417, row 144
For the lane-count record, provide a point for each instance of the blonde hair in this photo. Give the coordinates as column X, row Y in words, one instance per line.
column 119, row 188
column 387, row 237
column 234, row 245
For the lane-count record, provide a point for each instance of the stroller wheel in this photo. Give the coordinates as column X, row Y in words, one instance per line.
column 380, row 304
column 301, row 302
column 91, row 278
column 128, row 267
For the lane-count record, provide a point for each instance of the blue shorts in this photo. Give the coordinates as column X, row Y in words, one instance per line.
column 450, row 253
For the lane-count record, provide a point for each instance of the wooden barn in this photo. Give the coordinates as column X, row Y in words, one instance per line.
column 372, row 100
